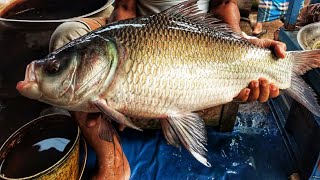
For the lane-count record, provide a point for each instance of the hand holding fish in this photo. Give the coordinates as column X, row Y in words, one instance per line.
column 112, row 163
column 228, row 12
column 260, row 89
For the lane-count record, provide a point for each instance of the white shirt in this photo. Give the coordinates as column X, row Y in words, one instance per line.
column 148, row 7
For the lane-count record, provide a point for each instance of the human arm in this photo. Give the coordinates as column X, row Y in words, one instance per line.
column 227, row 11
column 111, row 160
column 123, row 9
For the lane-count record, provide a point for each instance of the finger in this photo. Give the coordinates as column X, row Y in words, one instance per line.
column 90, row 123
column 121, row 127
column 274, row 91
column 264, row 90
column 243, row 95
column 80, row 117
column 280, row 49
column 92, row 119
column 254, row 94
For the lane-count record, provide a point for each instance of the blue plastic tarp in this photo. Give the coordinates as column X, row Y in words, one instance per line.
column 254, row 150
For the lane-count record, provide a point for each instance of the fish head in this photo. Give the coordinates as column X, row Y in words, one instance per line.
column 71, row 74
column 49, row 79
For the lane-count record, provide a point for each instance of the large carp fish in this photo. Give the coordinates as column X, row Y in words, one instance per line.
column 164, row 66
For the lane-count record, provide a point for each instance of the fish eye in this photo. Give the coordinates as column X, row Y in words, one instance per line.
column 52, row 67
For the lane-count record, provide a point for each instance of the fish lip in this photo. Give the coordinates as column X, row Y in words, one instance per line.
column 30, row 82
column 29, row 89
column 30, row 77
column 30, row 73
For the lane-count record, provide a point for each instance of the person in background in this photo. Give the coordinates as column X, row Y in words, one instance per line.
column 226, row 10
column 269, row 10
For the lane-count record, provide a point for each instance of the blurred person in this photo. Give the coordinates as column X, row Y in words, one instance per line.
column 269, row 10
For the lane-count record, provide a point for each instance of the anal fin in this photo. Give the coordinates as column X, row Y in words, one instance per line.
column 190, row 130
column 113, row 114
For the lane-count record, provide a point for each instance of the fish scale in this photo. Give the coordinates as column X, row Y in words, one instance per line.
column 214, row 66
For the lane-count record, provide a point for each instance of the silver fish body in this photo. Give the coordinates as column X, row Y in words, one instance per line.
column 174, row 65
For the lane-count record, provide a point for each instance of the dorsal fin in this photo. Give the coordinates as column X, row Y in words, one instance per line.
column 190, row 11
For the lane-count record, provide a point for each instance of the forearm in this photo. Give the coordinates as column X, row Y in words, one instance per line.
column 123, row 9
column 228, row 12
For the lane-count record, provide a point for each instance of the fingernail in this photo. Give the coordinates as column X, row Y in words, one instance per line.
column 247, row 92
column 273, row 87
column 255, row 84
column 264, row 83
column 283, row 52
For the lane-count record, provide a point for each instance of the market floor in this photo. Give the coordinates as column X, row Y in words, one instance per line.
column 271, row 27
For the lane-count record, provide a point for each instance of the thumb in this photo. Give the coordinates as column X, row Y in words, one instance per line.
column 277, row 47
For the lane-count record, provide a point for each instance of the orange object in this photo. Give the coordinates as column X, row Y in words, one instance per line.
column 112, row 162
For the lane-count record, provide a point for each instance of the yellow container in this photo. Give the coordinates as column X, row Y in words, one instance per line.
column 16, row 152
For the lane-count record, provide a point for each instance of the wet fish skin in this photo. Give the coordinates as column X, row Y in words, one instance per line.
column 173, row 66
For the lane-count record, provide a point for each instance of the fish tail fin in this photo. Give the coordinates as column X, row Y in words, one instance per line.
column 303, row 93
column 299, row 90
column 304, row 61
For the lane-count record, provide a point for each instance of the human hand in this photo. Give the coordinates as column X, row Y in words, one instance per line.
column 119, row 14
column 261, row 89
column 277, row 47
column 112, row 162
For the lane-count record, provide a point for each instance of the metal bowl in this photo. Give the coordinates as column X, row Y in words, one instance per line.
column 26, row 39
column 24, row 6
column 309, row 36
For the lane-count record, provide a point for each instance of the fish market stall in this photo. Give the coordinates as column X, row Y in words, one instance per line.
column 273, row 140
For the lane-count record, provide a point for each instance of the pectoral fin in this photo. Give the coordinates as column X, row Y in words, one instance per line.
column 113, row 114
column 190, row 130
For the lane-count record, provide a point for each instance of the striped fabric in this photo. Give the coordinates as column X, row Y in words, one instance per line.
column 148, row 7
column 269, row 10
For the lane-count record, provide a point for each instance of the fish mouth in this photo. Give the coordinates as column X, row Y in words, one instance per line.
column 29, row 86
